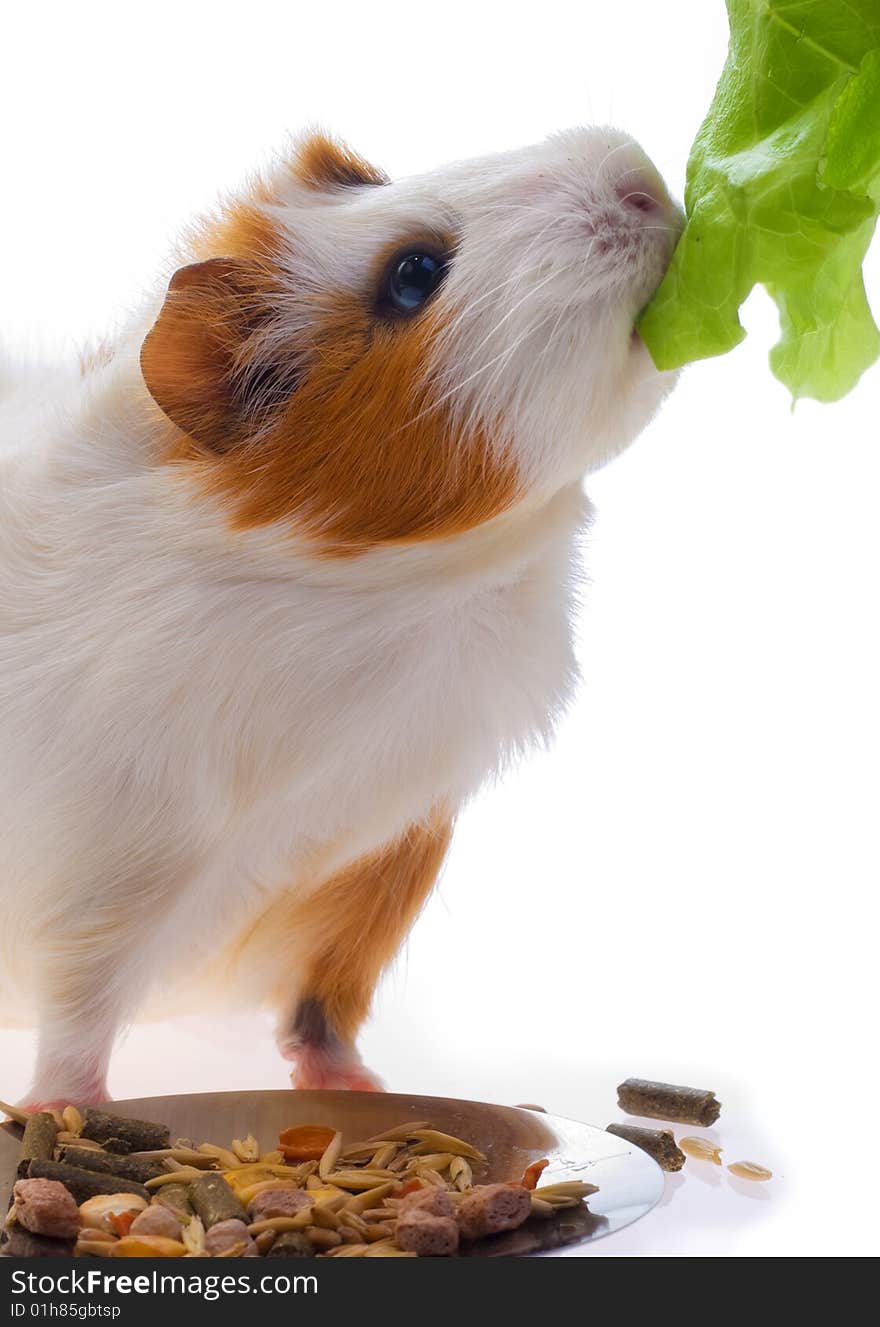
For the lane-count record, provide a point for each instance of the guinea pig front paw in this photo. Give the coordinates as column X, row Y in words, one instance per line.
column 95, row 1094
column 316, row 1068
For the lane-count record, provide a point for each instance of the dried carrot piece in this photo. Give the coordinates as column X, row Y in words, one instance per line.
column 411, row 1186
column 121, row 1222
column 305, row 1142
column 532, row 1173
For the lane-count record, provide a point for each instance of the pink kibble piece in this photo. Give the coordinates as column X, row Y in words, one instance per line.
column 156, row 1220
column 491, row 1208
column 226, row 1234
column 46, row 1207
column 428, row 1236
column 278, row 1202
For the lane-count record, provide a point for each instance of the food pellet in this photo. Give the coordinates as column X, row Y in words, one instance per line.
column 128, row 1135
column 426, row 1235
column 658, row 1143
column 491, row 1208
column 667, row 1101
column 131, row 1193
column 214, row 1201
column 45, row 1207
column 84, row 1184
column 40, row 1132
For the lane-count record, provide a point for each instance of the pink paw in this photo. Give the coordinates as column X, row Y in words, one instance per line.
column 322, row 1069
column 33, row 1106
column 92, row 1097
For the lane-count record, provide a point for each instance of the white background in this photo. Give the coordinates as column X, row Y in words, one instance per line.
column 690, row 876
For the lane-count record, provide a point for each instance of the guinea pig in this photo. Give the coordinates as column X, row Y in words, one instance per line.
column 286, row 572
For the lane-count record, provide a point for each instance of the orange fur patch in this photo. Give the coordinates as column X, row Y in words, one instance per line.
column 361, row 455
column 363, row 451
column 322, row 163
column 348, row 930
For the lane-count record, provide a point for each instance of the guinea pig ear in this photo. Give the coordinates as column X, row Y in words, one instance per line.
column 202, row 361
column 324, row 164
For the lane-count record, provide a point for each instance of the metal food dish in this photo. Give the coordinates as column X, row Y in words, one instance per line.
column 629, row 1181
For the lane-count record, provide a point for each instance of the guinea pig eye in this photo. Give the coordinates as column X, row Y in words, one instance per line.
column 411, row 280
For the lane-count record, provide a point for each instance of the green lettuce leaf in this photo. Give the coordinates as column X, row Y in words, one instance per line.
column 783, row 188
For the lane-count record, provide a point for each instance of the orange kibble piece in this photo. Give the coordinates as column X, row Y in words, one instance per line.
column 305, row 1142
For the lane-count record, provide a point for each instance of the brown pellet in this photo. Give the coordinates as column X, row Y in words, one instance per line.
column 658, row 1143
column 667, row 1101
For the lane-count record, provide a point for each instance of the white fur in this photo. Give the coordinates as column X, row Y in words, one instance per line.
column 191, row 719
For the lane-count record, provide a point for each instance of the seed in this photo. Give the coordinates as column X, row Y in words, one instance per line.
column 186, row 1156
column 360, row 1179
column 363, row 1151
column 331, row 1197
column 387, row 1251
column 15, row 1113
column 400, row 1133
column 227, row 1159
column 376, row 1230
column 193, row 1237
column 432, row 1141
column 246, row 1149
column 348, row 1251
column 385, row 1154
column 460, row 1173
column 328, row 1161
column 701, row 1148
column 175, row 1177
column 437, row 1161
column 72, row 1120
column 566, row 1189
column 324, row 1216
column 750, row 1170
column 369, row 1198
column 322, row 1239
column 281, row 1223
column 93, row 1248
column 264, row 1242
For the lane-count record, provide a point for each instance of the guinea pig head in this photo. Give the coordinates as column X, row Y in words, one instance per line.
column 371, row 362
